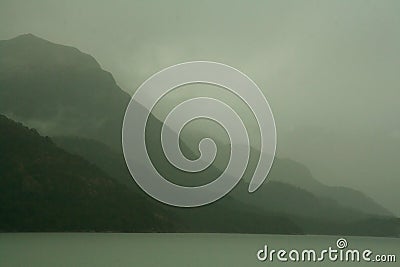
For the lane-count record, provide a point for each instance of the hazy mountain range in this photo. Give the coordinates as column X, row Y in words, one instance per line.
column 77, row 180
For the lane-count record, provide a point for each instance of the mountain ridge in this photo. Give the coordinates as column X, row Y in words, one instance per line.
column 81, row 98
column 86, row 103
column 44, row 188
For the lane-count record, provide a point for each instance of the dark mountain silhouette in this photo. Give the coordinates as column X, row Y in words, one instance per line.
column 65, row 94
column 44, row 188
column 314, row 214
column 59, row 90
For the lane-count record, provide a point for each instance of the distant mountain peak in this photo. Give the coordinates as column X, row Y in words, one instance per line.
column 29, row 39
column 28, row 36
column 59, row 90
column 29, row 49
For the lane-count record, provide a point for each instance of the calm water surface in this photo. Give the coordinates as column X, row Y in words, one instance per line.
column 112, row 249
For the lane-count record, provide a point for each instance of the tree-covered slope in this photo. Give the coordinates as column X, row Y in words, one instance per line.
column 44, row 188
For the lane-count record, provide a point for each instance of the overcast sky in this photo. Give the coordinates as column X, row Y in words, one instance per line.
column 330, row 69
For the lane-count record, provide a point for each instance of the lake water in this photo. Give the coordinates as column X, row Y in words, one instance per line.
column 113, row 249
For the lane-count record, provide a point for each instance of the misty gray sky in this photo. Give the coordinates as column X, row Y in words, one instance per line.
column 330, row 69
